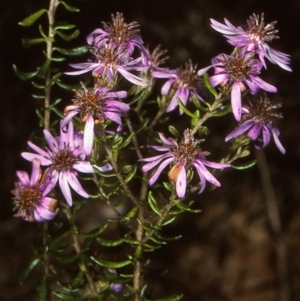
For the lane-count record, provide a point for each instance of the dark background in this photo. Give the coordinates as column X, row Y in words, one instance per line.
column 232, row 250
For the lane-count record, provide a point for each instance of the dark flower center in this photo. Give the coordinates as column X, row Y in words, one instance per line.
column 27, row 198
column 237, row 68
column 188, row 149
column 262, row 111
column 187, row 77
column 120, row 31
column 90, row 104
column 258, row 32
column 106, row 56
column 64, row 160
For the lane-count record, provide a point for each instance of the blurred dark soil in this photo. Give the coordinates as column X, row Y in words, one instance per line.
column 231, row 251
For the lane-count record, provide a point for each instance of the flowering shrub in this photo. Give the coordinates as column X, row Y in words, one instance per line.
column 106, row 148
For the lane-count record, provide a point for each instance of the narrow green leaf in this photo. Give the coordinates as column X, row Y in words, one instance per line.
column 184, row 108
column 69, row 7
column 208, row 85
column 32, row 18
column 55, row 243
column 24, row 75
column 64, row 297
column 244, row 166
column 153, row 204
column 28, row 270
column 110, row 264
column 29, row 42
column 223, row 110
column 43, row 289
column 168, row 221
column 126, row 141
column 65, row 27
column 38, row 86
column 109, row 243
column 66, row 259
column 72, row 52
column 131, row 173
column 95, row 232
column 42, row 70
column 65, row 86
column 68, row 37
column 174, row 131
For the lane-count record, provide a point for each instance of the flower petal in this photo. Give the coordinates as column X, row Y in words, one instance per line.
column 181, row 183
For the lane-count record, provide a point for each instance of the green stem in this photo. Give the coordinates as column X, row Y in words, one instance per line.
column 49, row 49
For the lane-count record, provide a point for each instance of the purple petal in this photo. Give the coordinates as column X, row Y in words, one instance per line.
column 88, row 136
column 53, row 178
column 115, row 117
column 215, row 165
column 36, row 172
column 23, row 177
column 105, row 168
column 203, row 70
column 132, row 78
column 275, row 132
column 208, row 176
column 65, row 189
column 153, row 161
column 38, row 149
column 83, row 166
column 255, row 131
column 74, row 183
column 166, row 87
column 67, row 119
column 262, row 84
column 165, row 140
column 52, row 143
column 236, row 101
column 266, row 136
column 240, row 130
column 31, row 157
column 217, row 79
column 159, row 170
column 181, row 183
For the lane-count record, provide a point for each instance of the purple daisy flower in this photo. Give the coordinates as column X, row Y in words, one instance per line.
column 235, row 72
column 117, row 33
column 31, row 200
column 182, row 156
column 255, row 37
column 95, row 106
column 183, row 81
column 112, row 60
column 65, row 157
column 257, row 123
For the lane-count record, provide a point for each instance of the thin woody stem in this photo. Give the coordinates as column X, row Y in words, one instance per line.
column 51, row 14
column 49, row 49
column 77, row 248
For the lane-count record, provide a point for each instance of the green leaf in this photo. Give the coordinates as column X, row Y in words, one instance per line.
column 24, row 75
column 55, row 243
column 110, row 264
column 95, row 232
column 169, row 221
column 42, row 70
column 28, row 270
column 131, row 173
column 153, row 204
column 69, row 7
column 245, row 165
column 208, row 85
column 65, row 27
column 74, row 51
column 64, row 297
column 109, row 243
column 32, row 18
column 223, row 110
column 66, row 259
column 68, row 37
column 184, row 207
column 29, row 42
column 126, row 141
column 184, row 108
column 174, row 131
column 43, row 289
column 38, row 86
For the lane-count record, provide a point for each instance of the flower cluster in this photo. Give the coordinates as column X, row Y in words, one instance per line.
column 258, row 121
column 237, row 72
column 182, row 156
